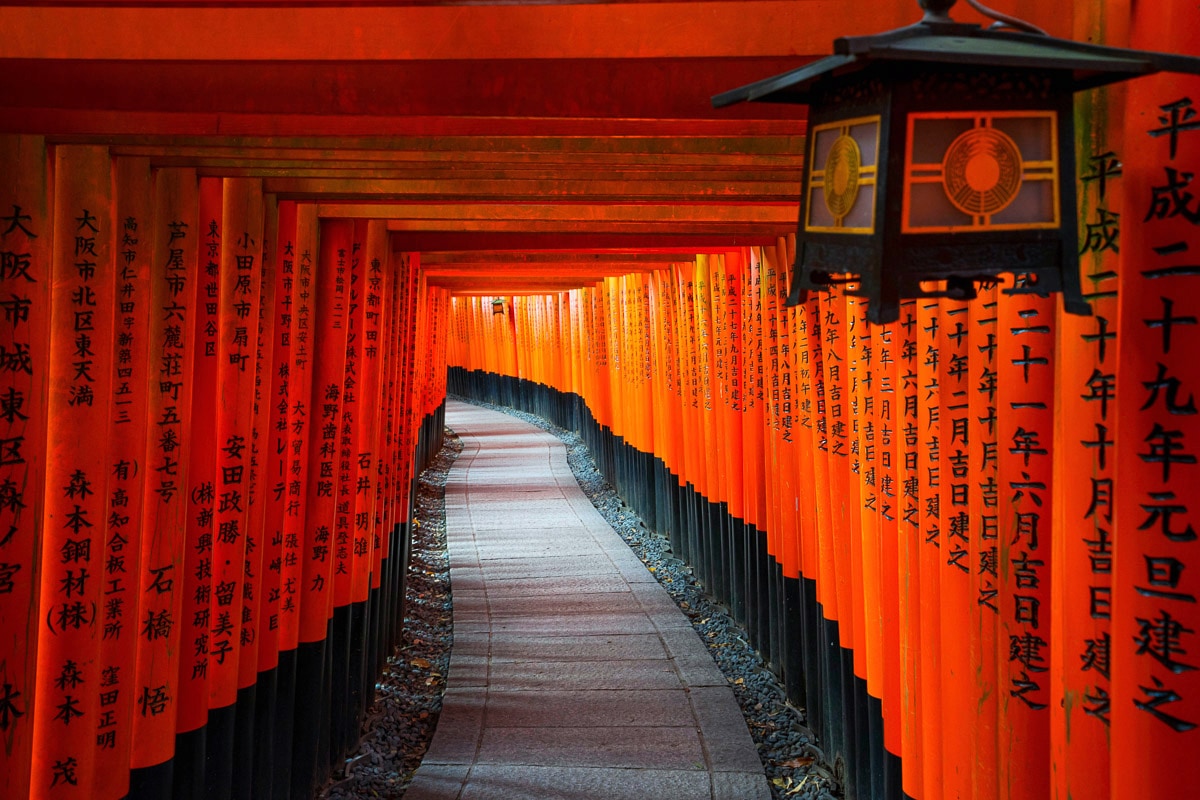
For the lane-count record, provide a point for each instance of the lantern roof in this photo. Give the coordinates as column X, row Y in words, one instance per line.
column 1085, row 66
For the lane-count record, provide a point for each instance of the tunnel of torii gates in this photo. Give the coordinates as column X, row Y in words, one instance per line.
column 243, row 248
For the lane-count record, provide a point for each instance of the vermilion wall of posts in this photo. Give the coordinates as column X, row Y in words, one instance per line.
column 966, row 540
column 213, row 407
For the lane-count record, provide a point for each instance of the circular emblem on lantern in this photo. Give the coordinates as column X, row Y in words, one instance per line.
column 982, row 171
column 842, row 167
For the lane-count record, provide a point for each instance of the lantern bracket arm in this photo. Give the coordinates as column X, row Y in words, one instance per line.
column 873, row 44
column 1005, row 21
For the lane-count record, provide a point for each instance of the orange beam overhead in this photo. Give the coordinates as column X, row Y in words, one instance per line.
column 182, row 31
column 472, row 258
column 588, row 242
column 471, row 190
column 784, row 212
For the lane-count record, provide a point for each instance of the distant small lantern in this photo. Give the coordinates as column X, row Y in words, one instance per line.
column 498, row 306
column 944, row 153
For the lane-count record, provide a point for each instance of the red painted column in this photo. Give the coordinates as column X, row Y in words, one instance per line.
column 26, row 244
column 982, row 607
column 374, row 292
column 1084, row 502
column 276, row 437
column 174, row 234
column 928, row 474
column 239, row 294
column 260, row 546
column 73, row 691
column 300, row 416
column 130, row 618
column 954, row 501
column 1025, row 443
column 864, row 463
column 201, row 469
column 886, row 418
column 331, row 304
column 911, row 550
column 1155, row 645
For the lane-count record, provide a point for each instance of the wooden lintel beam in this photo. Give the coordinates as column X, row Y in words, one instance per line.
column 548, row 189
column 470, row 158
column 504, row 259
column 711, row 173
column 193, row 31
column 373, row 148
column 578, row 242
column 406, row 216
column 87, row 125
column 611, row 227
column 516, row 293
column 506, row 288
column 563, row 271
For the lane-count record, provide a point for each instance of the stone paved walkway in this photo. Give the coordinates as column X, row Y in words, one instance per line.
column 573, row 674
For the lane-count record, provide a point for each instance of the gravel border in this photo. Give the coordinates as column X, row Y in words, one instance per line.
column 408, row 697
column 401, row 721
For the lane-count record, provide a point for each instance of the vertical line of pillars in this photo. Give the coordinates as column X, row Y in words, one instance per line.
column 210, row 425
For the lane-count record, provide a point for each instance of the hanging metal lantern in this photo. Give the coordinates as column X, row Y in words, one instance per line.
column 942, row 155
column 498, row 306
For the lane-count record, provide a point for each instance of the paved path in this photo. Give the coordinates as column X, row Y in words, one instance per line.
column 573, row 674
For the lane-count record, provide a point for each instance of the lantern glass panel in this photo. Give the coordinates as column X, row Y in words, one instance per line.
column 996, row 170
column 842, row 176
column 1034, row 204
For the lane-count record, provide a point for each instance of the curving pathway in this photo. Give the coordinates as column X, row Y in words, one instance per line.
column 573, row 674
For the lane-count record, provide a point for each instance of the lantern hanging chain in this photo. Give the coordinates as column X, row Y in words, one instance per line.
column 1005, row 21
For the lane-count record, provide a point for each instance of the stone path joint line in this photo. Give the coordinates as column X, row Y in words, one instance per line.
column 573, row 674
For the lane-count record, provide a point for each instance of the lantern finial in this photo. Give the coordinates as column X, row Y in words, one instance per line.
column 936, row 10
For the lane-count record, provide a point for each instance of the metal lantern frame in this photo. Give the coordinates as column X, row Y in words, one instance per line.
column 941, row 157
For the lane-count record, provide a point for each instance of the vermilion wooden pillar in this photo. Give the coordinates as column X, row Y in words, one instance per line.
column 928, row 474
column 1025, row 444
column 1155, row 597
column 330, row 298
column 26, row 243
column 174, row 234
column 255, row 699
column 134, row 613
column 373, row 295
column 73, row 693
column 836, row 365
column 821, row 598
column 982, row 609
column 954, row 500
column 274, row 437
column 299, row 234
column 886, row 418
column 863, row 347
column 731, row 384
column 348, row 618
column 1086, row 377
column 277, row 438
column 239, row 295
column 388, row 496
column 911, row 549
column 192, row 699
